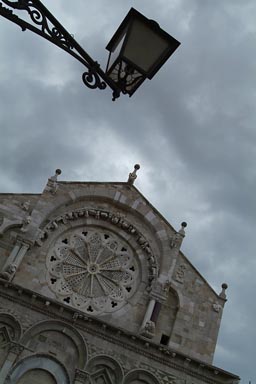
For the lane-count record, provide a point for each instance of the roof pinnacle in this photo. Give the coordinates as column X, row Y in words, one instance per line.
column 133, row 175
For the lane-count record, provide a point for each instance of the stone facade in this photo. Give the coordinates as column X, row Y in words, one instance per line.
column 95, row 289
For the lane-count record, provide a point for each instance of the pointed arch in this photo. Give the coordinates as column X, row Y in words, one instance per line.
column 167, row 317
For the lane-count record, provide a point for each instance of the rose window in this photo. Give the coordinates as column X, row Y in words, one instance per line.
column 93, row 270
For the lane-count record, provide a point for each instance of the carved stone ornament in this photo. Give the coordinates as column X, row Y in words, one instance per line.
column 16, row 348
column 26, row 223
column 216, row 307
column 148, row 330
column 25, row 205
column 81, row 376
column 92, row 269
column 105, row 216
column 175, row 241
column 9, row 272
column 180, row 273
column 166, row 286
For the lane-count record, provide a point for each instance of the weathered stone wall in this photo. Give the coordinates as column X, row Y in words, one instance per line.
column 139, row 280
column 70, row 347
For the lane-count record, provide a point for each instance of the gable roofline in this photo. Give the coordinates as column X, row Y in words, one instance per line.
column 131, row 186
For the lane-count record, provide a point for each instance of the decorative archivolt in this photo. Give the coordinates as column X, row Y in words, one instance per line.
column 11, row 326
column 37, row 362
column 65, row 330
column 106, row 216
column 105, row 369
column 138, row 376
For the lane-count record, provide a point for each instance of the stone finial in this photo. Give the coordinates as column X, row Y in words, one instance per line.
column 223, row 292
column 182, row 229
column 55, row 177
column 177, row 239
column 133, row 176
column 52, row 184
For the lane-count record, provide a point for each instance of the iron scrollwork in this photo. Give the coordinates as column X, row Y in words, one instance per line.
column 92, row 80
column 39, row 19
column 47, row 26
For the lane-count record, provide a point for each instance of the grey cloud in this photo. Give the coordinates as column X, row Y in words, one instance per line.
column 192, row 128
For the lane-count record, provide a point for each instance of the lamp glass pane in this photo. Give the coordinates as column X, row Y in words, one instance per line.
column 116, row 51
column 144, row 46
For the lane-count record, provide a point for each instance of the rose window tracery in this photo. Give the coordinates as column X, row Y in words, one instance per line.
column 92, row 269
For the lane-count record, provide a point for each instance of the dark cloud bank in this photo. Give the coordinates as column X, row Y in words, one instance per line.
column 192, row 128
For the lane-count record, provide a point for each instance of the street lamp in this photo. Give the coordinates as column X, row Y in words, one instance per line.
column 138, row 48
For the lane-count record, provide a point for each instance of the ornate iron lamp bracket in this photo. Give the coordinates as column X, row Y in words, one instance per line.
column 44, row 24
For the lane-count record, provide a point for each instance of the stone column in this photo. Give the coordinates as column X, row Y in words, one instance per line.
column 155, row 312
column 149, row 312
column 19, row 257
column 148, row 326
column 14, row 260
column 14, row 351
column 12, row 256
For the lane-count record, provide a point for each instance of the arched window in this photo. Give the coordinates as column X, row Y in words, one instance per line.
column 60, row 340
column 10, row 330
column 104, row 369
column 39, row 369
column 167, row 317
column 38, row 376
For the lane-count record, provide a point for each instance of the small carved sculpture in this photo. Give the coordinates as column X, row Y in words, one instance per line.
column 216, row 307
column 166, row 286
column 25, row 206
column 175, row 241
column 26, row 223
column 150, row 326
column 180, row 273
column 148, row 330
column 9, row 272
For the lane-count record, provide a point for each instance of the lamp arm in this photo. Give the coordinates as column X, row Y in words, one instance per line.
column 47, row 26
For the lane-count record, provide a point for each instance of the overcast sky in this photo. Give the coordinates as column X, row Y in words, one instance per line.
column 192, row 129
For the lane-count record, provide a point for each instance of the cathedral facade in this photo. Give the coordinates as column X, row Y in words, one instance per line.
column 94, row 288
